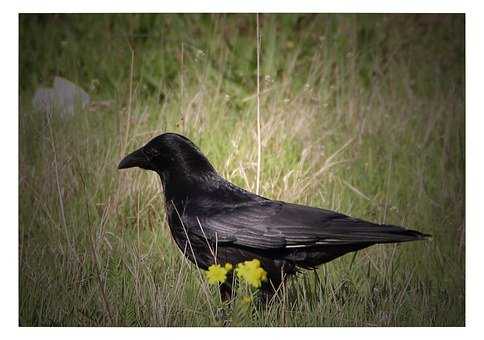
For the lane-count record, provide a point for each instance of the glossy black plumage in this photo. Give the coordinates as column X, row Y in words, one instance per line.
column 225, row 223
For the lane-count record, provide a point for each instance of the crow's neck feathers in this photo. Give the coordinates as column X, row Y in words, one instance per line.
column 177, row 184
column 188, row 172
column 195, row 176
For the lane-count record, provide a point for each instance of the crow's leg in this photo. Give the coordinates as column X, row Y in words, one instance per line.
column 270, row 288
column 226, row 297
column 225, row 292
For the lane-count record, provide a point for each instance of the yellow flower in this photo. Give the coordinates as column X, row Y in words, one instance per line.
column 218, row 274
column 252, row 272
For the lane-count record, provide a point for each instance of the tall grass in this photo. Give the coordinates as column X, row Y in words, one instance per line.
column 363, row 114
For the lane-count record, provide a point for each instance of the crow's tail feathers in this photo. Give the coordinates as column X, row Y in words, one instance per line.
column 353, row 236
column 387, row 233
column 358, row 231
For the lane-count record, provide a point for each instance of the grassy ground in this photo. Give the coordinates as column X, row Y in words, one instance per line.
column 363, row 114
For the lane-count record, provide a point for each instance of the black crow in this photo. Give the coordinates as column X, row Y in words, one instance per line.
column 215, row 221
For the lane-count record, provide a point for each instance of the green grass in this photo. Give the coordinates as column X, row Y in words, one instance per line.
column 363, row 114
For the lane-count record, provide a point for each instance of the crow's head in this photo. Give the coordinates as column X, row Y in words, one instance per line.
column 169, row 154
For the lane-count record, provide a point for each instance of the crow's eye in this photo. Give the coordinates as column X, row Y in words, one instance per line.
column 150, row 152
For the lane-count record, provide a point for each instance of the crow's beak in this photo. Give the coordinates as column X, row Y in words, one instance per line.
column 136, row 158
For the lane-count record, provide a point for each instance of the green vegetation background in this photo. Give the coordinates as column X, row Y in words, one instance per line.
column 363, row 114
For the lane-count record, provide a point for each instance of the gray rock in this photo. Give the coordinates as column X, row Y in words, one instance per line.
column 61, row 99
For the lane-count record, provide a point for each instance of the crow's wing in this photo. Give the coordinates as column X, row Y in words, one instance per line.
column 270, row 225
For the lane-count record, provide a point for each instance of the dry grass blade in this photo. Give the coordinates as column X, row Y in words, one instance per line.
column 259, row 147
